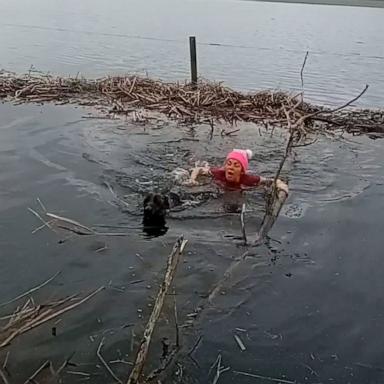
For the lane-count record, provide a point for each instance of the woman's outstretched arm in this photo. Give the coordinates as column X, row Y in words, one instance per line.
column 196, row 172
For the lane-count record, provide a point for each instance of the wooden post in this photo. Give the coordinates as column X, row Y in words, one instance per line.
column 192, row 49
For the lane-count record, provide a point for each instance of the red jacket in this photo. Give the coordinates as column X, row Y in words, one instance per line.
column 246, row 180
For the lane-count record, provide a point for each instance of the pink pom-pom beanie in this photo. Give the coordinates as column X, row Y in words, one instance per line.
column 242, row 156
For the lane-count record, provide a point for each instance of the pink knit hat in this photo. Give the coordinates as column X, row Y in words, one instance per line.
column 242, row 156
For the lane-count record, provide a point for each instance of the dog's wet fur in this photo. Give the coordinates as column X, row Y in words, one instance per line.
column 155, row 207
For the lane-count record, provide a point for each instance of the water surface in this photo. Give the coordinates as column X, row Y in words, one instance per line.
column 249, row 45
column 310, row 298
column 308, row 304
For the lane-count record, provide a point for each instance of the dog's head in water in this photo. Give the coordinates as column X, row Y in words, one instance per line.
column 155, row 209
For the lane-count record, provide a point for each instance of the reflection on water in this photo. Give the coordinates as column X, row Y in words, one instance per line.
column 152, row 232
column 249, row 45
column 233, row 201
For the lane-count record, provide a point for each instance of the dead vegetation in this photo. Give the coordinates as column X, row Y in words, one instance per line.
column 207, row 102
column 31, row 315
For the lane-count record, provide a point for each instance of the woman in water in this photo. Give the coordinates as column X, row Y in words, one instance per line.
column 233, row 175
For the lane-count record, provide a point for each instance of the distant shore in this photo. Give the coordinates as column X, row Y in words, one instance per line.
column 350, row 3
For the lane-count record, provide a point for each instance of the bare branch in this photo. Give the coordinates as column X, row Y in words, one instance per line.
column 172, row 263
column 268, row 378
column 107, row 367
column 301, row 76
column 34, row 289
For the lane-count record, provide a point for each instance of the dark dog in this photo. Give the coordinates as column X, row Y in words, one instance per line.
column 155, row 209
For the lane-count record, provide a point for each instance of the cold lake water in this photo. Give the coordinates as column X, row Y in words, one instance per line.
column 307, row 305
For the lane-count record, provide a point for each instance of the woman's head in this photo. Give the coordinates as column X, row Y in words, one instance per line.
column 236, row 164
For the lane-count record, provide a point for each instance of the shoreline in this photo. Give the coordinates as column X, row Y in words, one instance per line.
column 350, row 3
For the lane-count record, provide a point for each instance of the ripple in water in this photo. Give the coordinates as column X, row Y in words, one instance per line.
column 328, row 171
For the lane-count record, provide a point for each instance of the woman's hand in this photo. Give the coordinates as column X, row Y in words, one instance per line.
column 281, row 186
column 195, row 173
column 190, row 183
column 203, row 168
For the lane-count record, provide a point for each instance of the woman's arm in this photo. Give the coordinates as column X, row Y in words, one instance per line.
column 265, row 182
column 196, row 172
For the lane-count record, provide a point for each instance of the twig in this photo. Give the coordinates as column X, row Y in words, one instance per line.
column 313, row 372
column 94, row 233
column 78, row 373
column 41, row 368
column 46, row 317
column 176, row 323
column 193, row 349
column 219, row 370
column 107, row 367
column 4, row 371
column 347, row 103
column 326, row 120
column 239, row 343
column 231, row 132
column 272, row 211
column 165, row 363
column 34, row 289
column 120, row 361
column 140, row 257
column 6, row 361
column 305, row 144
column 4, row 377
column 211, row 123
column 301, row 76
column 52, row 369
column 41, row 205
column 115, row 195
column 214, row 364
column 176, row 140
column 80, row 232
column 118, row 234
column 274, row 379
column 287, row 147
column 172, row 262
column 40, row 218
column 243, row 224
column 133, row 335
column 69, row 221
column 100, row 117
column 42, row 226
column 321, row 112
column 64, row 365
column 217, row 376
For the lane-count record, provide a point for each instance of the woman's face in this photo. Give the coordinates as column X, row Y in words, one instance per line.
column 233, row 171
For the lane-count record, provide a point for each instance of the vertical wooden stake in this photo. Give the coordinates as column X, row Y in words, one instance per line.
column 192, row 49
